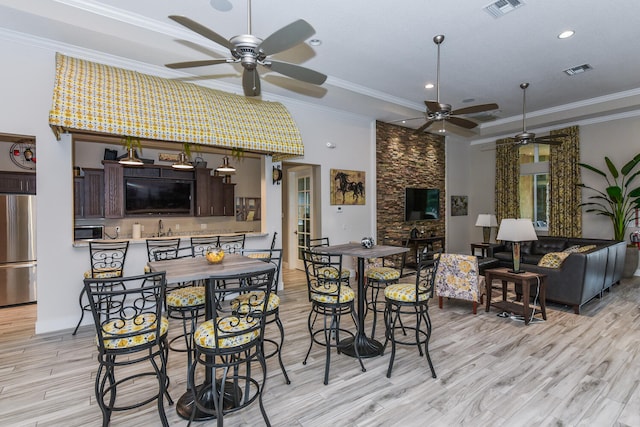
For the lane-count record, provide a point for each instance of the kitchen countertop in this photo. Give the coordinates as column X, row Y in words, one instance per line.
column 182, row 236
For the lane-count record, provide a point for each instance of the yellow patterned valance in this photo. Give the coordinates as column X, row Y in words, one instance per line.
column 99, row 98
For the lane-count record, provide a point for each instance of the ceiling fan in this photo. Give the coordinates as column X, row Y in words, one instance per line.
column 525, row 137
column 250, row 51
column 438, row 111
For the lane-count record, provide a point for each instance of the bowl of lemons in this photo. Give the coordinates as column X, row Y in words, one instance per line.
column 215, row 256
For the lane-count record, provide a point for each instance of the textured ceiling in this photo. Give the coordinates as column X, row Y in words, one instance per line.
column 379, row 54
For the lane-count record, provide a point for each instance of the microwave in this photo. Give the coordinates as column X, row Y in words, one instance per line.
column 88, row 232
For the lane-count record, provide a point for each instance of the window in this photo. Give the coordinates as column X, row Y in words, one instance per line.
column 534, row 184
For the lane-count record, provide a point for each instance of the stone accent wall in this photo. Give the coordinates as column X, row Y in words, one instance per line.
column 406, row 159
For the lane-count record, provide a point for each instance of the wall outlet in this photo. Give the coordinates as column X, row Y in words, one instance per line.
column 203, row 226
column 177, row 226
column 117, row 229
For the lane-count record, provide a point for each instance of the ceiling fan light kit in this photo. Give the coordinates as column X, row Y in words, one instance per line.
column 251, row 51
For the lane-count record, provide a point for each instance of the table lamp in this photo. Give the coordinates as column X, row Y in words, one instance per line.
column 516, row 231
column 486, row 221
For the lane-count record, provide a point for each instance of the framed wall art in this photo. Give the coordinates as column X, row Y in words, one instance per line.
column 459, row 205
column 347, row 187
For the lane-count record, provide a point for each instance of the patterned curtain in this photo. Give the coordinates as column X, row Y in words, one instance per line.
column 507, row 180
column 565, row 217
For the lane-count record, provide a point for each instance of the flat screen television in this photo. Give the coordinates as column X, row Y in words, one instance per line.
column 144, row 196
column 421, row 203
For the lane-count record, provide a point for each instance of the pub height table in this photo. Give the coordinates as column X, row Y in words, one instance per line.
column 367, row 347
column 189, row 269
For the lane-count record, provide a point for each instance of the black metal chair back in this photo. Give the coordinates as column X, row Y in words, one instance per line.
column 167, row 247
column 107, row 258
column 317, row 243
column 232, row 244
column 324, row 276
column 201, row 245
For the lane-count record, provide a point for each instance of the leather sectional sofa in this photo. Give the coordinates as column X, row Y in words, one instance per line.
column 581, row 277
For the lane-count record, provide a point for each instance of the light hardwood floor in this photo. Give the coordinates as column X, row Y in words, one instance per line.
column 568, row 371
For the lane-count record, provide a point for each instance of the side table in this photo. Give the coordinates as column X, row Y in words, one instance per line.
column 526, row 280
column 483, row 247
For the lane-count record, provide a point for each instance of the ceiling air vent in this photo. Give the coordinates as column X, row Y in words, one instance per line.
column 578, row 69
column 502, row 7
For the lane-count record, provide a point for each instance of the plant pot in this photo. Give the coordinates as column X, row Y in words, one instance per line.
column 630, row 262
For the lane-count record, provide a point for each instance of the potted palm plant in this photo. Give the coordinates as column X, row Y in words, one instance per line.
column 618, row 202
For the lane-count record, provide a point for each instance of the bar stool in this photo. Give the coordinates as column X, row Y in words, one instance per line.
column 273, row 307
column 411, row 299
column 134, row 333
column 107, row 260
column 228, row 344
column 377, row 279
column 232, row 243
column 331, row 298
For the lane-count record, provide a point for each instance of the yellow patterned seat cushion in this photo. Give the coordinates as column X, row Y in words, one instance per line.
column 405, row 292
column 116, row 327
column 327, row 293
column 553, row 259
column 586, row 248
column 259, row 255
column 256, row 299
column 205, row 334
column 383, row 273
column 189, row 296
column 103, row 273
column 332, row 273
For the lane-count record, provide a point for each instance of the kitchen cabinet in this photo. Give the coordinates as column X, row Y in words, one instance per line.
column 18, row 182
column 89, row 194
column 228, row 191
column 204, row 205
column 113, row 190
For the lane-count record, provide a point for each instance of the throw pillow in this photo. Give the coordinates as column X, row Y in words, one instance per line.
column 586, row 248
column 553, row 259
column 572, row 249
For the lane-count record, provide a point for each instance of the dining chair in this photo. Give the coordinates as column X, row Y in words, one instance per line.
column 131, row 328
column 273, row 307
column 264, row 253
column 315, row 246
column 232, row 243
column 411, row 300
column 331, row 298
column 107, row 260
column 458, row 277
column 229, row 343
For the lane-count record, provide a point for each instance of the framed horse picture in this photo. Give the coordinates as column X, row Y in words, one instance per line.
column 347, row 187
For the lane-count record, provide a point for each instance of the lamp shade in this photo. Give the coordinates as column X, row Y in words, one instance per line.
column 516, row 230
column 225, row 167
column 486, row 220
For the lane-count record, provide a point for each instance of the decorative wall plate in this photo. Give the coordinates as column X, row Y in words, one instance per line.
column 23, row 155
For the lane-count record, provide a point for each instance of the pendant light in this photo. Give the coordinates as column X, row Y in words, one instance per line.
column 183, row 162
column 131, row 159
column 225, row 167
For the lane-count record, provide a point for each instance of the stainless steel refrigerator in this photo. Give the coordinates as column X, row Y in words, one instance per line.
column 17, row 249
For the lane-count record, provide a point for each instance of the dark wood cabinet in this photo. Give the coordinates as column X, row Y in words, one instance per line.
column 113, row 190
column 89, row 194
column 18, row 182
column 228, row 205
column 204, row 201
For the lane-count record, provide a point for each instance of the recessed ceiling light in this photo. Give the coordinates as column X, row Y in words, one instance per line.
column 566, row 34
column 315, row 42
column 429, row 86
